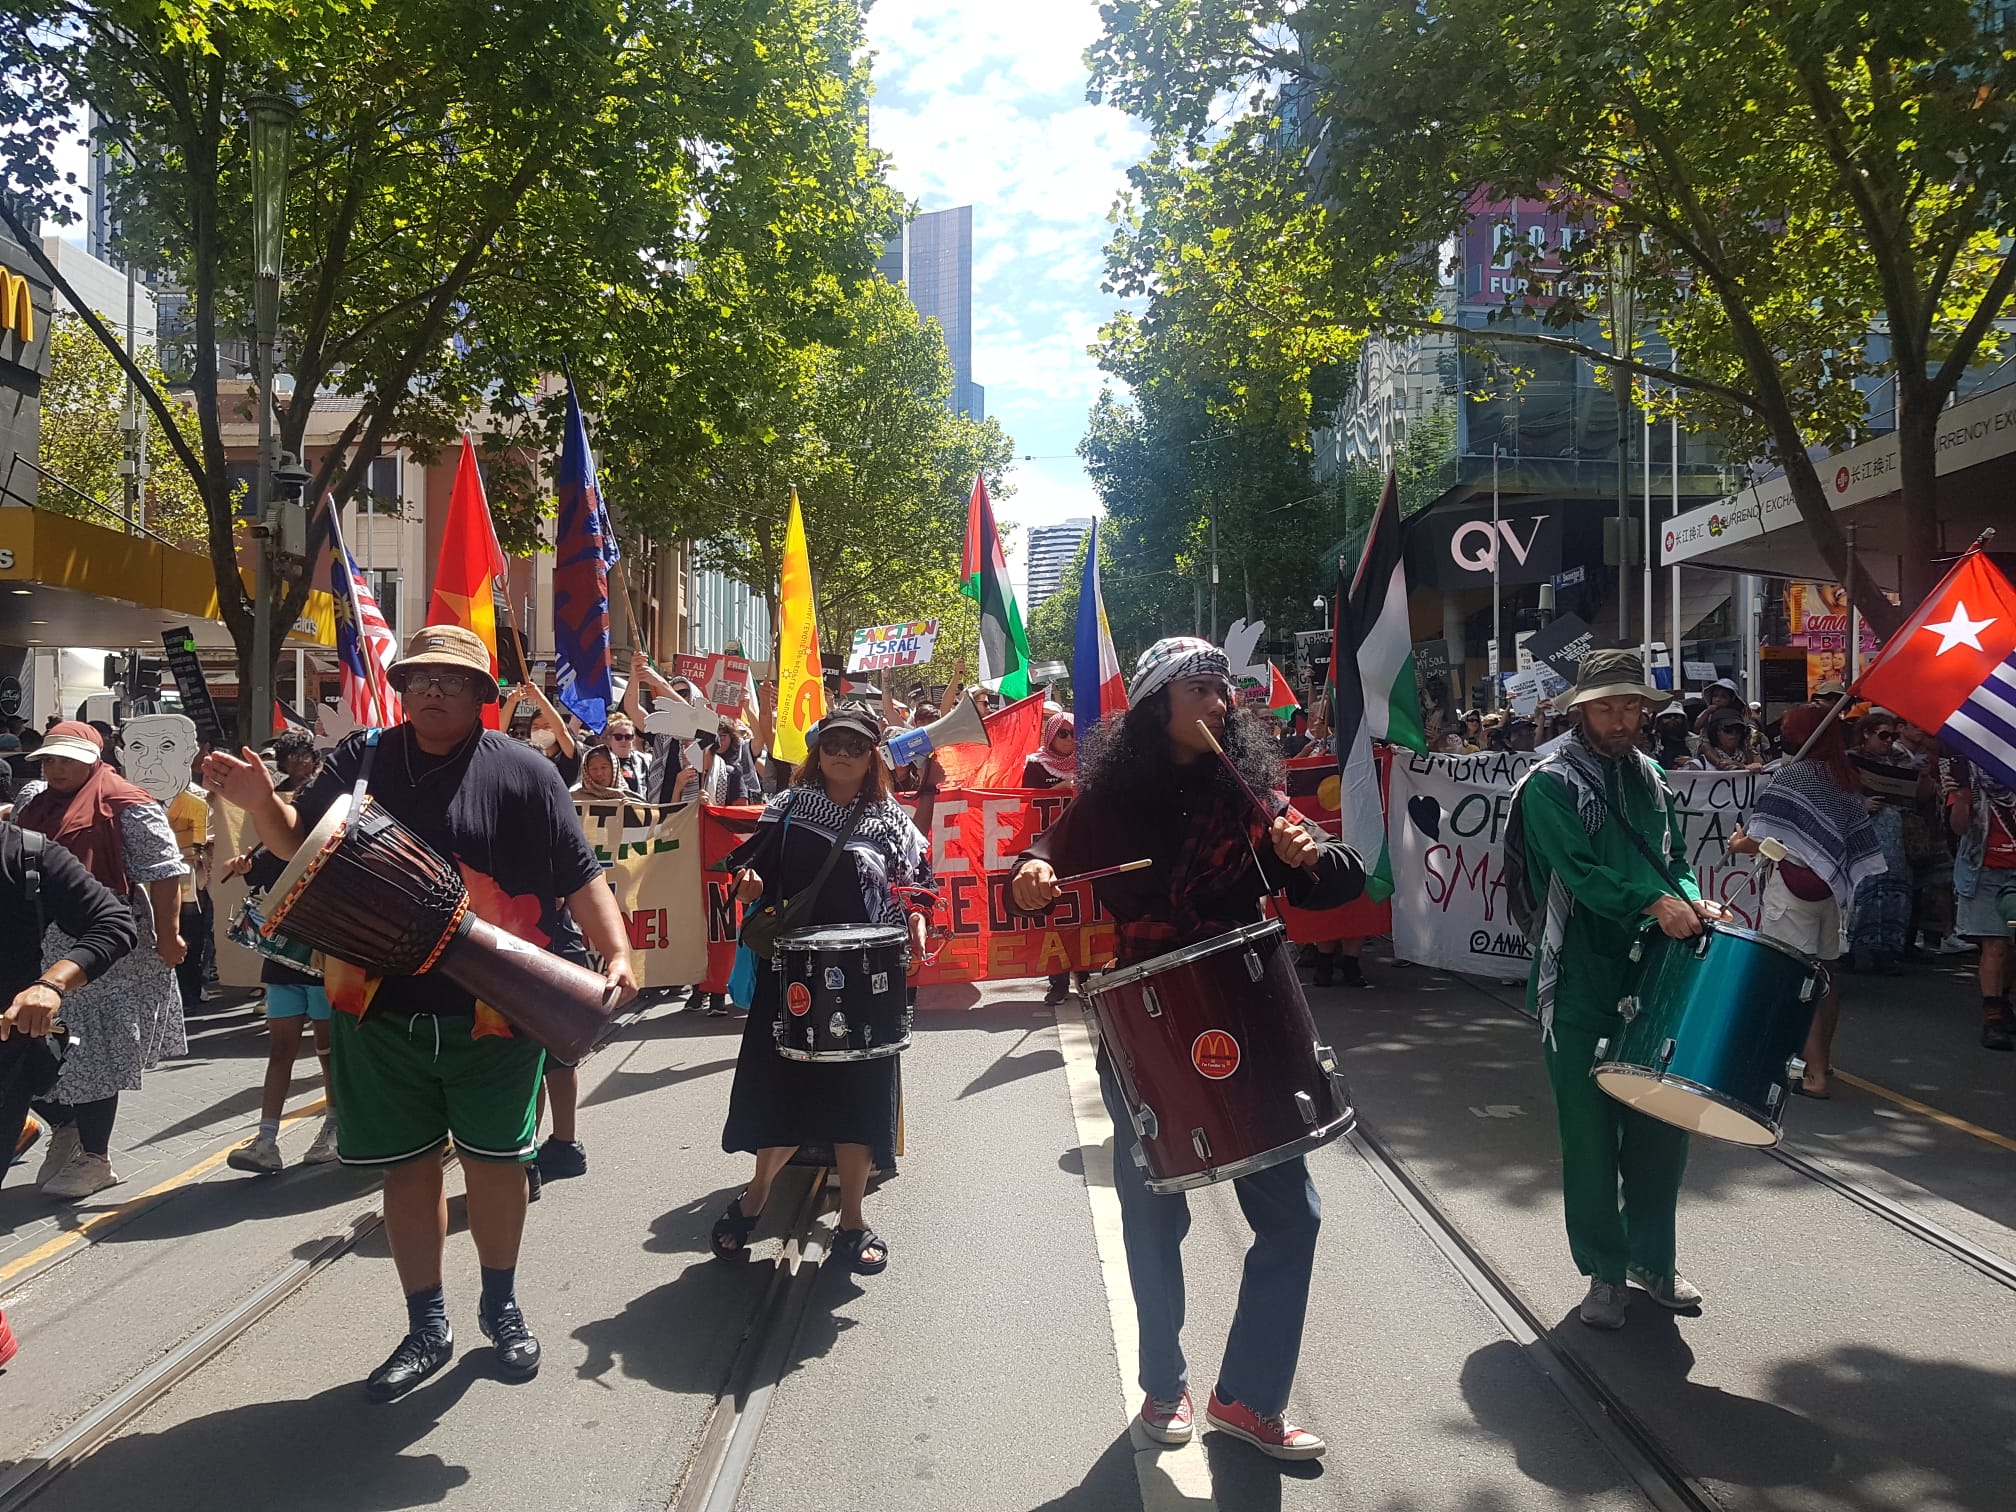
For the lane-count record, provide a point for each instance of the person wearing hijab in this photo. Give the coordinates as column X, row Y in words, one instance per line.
column 1055, row 765
column 130, row 1018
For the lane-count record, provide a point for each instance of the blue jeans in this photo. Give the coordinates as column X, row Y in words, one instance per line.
column 1281, row 1206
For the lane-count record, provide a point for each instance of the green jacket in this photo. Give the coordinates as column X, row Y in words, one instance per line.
column 1609, row 881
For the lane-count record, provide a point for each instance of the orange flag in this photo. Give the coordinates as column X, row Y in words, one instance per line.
column 471, row 570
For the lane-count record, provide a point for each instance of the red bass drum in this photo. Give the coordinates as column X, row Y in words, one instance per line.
column 1218, row 1059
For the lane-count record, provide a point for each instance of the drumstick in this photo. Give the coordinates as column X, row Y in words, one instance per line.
column 1266, row 814
column 1104, row 871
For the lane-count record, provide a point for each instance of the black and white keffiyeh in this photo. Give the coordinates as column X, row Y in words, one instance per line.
column 888, row 849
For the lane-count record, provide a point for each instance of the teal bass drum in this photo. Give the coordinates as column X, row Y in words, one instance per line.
column 1713, row 1027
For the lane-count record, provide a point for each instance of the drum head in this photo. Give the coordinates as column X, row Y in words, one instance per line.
column 1182, row 956
column 843, row 937
column 326, row 828
column 1696, row 1109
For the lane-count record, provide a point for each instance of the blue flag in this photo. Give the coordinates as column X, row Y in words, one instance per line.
column 583, row 552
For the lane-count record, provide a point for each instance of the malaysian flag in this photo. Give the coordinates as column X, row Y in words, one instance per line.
column 1952, row 668
column 365, row 645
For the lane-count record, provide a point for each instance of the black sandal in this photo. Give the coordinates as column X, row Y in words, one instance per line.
column 850, row 1243
column 733, row 1224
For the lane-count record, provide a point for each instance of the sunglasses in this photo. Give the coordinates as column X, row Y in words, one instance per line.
column 1886, row 734
column 846, row 745
column 450, row 684
column 625, row 735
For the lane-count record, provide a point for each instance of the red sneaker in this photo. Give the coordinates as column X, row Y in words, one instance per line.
column 8, row 1348
column 1270, row 1435
column 1166, row 1420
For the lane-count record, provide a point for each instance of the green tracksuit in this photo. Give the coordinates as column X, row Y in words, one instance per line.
column 1620, row 1170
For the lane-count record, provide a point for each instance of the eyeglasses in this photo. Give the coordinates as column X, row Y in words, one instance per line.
column 616, row 735
column 846, row 745
column 449, row 684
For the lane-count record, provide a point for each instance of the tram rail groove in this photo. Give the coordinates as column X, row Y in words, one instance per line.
column 30, row 1477
column 1992, row 1265
column 720, row 1460
column 1653, row 1468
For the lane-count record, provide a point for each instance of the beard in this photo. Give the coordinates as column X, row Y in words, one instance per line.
column 1613, row 745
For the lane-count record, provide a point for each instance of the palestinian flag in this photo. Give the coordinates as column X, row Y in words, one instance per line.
column 1281, row 700
column 1372, row 675
column 1004, row 644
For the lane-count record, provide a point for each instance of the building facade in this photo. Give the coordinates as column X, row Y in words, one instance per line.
column 932, row 260
column 1052, row 550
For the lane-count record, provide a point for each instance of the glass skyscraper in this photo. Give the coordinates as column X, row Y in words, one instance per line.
column 932, row 258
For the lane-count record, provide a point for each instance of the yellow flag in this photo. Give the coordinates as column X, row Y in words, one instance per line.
column 801, row 690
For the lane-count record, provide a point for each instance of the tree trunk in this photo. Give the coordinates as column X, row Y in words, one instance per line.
column 1918, row 480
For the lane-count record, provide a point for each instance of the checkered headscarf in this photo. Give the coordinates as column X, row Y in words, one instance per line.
column 1178, row 656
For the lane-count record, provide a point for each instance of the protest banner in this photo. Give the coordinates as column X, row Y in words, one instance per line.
column 1445, row 821
column 885, row 646
column 655, row 874
column 1314, row 787
column 230, row 835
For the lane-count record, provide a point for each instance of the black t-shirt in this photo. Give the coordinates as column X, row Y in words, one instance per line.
column 500, row 812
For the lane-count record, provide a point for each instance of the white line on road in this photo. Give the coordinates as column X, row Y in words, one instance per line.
column 1170, row 1479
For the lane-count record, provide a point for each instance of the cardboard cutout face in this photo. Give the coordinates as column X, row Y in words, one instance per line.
column 157, row 751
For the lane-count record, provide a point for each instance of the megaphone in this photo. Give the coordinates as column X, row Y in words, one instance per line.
column 963, row 726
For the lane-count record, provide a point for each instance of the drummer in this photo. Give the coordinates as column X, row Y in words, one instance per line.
column 1597, row 885
column 1151, row 786
column 775, row 1105
column 429, row 1062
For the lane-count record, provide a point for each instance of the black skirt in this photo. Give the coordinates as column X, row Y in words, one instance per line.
column 777, row 1102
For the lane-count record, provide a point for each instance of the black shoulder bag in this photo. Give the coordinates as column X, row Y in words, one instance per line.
column 761, row 928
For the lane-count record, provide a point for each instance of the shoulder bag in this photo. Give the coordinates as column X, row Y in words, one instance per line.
column 761, row 927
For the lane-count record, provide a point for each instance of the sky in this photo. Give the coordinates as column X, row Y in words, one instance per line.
column 982, row 103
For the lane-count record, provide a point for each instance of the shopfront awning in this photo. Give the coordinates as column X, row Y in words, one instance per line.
column 68, row 582
column 1759, row 529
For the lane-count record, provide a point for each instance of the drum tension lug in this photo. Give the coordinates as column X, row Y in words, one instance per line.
column 1327, row 1059
column 1701, row 943
column 1795, row 1069
column 1200, row 1144
column 1151, row 1002
column 1666, row 1053
column 1145, row 1123
column 1806, row 989
column 1254, row 968
column 1602, row 1047
column 1306, row 1106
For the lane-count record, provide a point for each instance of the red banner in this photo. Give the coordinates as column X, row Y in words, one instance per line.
column 976, row 834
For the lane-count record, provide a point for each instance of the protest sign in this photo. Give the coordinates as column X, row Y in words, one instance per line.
column 724, row 681
column 231, row 834
column 655, row 873
column 886, row 646
column 1562, row 644
column 1445, row 824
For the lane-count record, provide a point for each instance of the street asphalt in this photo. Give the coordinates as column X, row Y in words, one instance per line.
column 1839, row 1363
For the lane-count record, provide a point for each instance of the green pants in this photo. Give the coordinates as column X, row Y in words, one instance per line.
column 1620, row 1170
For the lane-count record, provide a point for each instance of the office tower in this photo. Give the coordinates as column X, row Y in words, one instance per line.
column 932, row 258
column 1052, row 550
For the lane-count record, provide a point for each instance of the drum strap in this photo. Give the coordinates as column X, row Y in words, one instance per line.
column 363, row 783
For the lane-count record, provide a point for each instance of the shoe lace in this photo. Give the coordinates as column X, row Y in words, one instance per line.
column 414, row 1349
column 509, row 1328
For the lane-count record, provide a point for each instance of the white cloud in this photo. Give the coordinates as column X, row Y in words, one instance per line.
column 983, row 103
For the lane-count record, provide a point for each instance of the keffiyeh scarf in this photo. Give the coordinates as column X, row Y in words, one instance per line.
column 1826, row 829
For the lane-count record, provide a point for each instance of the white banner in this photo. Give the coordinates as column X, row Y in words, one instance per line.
column 1445, row 821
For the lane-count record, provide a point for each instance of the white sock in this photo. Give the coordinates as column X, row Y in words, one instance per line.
column 269, row 1128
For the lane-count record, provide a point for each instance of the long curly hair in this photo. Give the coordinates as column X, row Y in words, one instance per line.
column 1130, row 754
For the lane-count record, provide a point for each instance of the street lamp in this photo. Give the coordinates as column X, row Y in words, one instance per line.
column 1623, row 260
column 269, row 123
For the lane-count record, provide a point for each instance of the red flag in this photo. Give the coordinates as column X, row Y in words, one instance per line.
column 471, row 568
column 1016, row 732
column 1952, row 668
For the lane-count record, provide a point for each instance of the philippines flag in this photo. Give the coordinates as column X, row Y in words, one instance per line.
column 1952, row 668
column 584, row 550
column 365, row 646
column 1097, row 688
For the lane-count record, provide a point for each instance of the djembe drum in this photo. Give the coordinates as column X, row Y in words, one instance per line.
column 365, row 889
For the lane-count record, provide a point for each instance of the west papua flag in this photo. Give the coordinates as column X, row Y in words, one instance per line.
column 1952, row 668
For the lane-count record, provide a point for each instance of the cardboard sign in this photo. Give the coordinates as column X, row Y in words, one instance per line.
column 885, row 646
column 724, row 681
column 1563, row 644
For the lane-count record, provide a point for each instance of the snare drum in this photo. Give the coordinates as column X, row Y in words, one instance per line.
column 1218, row 1059
column 841, row 992
column 248, row 928
column 1713, row 1027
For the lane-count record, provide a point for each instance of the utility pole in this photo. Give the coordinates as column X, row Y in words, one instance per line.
column 1497, row 545
column 1214, row 572
column 1623, row 326
column 270, row 119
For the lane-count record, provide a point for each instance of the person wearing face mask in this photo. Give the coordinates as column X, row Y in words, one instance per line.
column 1152, row 786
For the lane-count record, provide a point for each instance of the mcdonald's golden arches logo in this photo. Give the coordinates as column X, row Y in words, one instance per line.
column 1215, row 1054
column 17, row 306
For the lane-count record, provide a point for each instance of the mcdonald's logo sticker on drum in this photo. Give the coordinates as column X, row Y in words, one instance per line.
column 798, row 998
column 1215, row 1054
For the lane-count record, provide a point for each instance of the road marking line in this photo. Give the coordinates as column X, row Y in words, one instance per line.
column 1925, row 1110
column 1170, row 1479
column 133, row 1205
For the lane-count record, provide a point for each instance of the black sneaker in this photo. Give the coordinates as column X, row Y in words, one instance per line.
column 560, row 1158
column 418, row 1356
column 534, row 1182
column 1996, row 1034
column 517, row 1351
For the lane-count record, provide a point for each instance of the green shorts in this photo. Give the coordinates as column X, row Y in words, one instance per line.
column 404, row 1082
